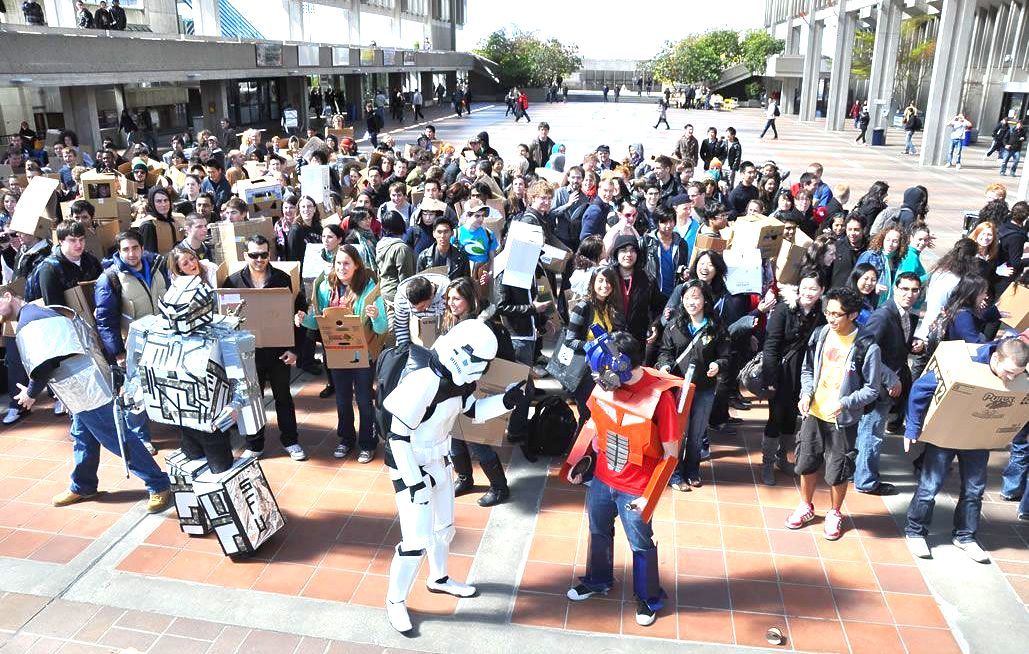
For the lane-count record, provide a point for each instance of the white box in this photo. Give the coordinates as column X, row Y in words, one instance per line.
column 182, row 471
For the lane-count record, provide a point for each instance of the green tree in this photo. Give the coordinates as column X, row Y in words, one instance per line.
column 755, row 48
column 704, row 57
column 523, row 59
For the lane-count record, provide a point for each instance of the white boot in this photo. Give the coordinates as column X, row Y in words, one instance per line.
column 451, row 587
column 402, row 571
column 399, row 619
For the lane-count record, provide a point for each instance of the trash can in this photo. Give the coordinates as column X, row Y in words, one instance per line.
column 971, row 136
column 878, row 137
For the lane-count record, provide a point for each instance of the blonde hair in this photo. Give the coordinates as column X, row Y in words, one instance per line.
column 979, row 229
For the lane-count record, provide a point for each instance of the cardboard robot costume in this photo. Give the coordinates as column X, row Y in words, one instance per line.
column 435, row 387
column 193, row 368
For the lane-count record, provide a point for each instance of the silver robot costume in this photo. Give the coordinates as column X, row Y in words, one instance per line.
column 192, row 368
column 83, row 380
column 435, row 388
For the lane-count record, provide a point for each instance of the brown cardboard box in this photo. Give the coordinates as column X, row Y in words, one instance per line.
column 343, row 335
column 1015, row 300
column 424, row 330
column 105, row 186
column 32, row 214
column 498, row 376
column 972, row 408
column 81, row 300
column 789, row 263
column 227, row 239
column 267, row 313
column 291, row 268
column 545, row 293
column 759, row 232
column 705, row 242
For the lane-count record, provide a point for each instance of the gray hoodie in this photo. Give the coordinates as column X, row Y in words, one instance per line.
column 859, row 388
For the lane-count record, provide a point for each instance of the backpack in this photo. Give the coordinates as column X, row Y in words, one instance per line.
column 523, row 102
column 776, row 113
column 393, row 363
column 551, row 429
column 32, row 290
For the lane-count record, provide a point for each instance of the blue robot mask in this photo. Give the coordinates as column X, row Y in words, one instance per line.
column 610, row 367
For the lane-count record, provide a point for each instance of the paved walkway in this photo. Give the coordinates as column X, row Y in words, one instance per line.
column 105, row 577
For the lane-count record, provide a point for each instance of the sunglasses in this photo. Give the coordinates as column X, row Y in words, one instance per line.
column 258, row 255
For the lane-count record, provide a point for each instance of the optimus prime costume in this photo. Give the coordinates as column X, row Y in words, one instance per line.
column 630, row 447
column 434, row 388
column 193, row 368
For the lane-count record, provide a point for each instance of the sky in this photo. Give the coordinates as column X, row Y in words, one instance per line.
column 605, row 29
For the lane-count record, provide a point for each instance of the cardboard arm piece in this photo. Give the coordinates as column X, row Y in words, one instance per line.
column 582, row 448
column 656, row 485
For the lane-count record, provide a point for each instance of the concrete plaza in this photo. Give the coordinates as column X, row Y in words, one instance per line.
column 103, row 576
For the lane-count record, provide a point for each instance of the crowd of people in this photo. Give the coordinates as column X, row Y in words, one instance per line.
column 413, row 233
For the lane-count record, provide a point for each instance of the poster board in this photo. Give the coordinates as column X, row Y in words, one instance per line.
column 789, row 263
column 704, row 243
column 424, row 330
column 267, row 313
column 315, row 181
column 344, row 338
column 759, row 232
column 521, row 253
column 313, row 264
column 227, row 239
column 32, row 214
column 498, row 377
column 291, row 268
column 744, row 270
column 989, row 411
column 81, row 300
column 1015, row 301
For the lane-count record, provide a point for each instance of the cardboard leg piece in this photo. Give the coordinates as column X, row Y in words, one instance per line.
column 240, row 505
column 183, row 471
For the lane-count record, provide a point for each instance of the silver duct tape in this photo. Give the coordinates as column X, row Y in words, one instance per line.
column 240, row 505
column 182, row 471
column 85, row 389
column 83, row 378
column 182, row 379
column 42, row 340
column 238, row 355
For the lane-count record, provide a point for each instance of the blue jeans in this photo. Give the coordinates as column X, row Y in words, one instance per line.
column 1008, row 155
column 350, row 383
column 909, row 144
column 90, row 430
column 769, row 124
column 870, row 432
column 957, row 144
column 689, row 455
column 1013, row 478
column 138, row 425
column 518, row 425
column 603, row 505
column 972, row 467
column 15, row 370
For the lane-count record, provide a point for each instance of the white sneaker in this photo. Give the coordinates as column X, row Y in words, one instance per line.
column 451, row 587
column 59, row 409
column 296, row 452
column 918, row 546
column 13, row 416
column 399, row 619
column 973, row 550
column 958, row 166
column 257, row 454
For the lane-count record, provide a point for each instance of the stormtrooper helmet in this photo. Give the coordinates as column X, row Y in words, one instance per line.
column 188, row 305
column 466, row 350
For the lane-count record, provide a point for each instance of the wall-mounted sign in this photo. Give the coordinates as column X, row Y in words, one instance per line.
column 308, row 55
column 340, row 56
column 409, row 59
column 367, row 56
column 269, row 55
column 389, row 57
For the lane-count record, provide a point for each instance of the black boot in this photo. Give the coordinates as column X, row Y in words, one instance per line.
column 498, row 491
column 463, row 468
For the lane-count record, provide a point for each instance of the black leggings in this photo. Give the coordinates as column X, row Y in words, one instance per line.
column 216, row 447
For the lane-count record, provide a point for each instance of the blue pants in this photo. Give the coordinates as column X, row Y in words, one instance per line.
column 350, row 383
column 90, row 430
column 1014, row 476
column 138, row 425
column 909, row 144
column 972, row 467
column 1006, row 156
column 955, row 144
column 689, row 456
column 603, row 505
column 770, row 123
column 870, row 432
column 15, row 370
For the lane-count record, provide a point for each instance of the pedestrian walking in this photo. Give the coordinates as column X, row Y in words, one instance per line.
column 771, row 113
column 662, row 114
column 1013, row 143
column 863, row 121
column 958, row 126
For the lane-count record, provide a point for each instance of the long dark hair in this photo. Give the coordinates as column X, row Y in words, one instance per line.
column 961, row 260
column 590, row 252
column 683, row 318
column 151, row 209
column 316, row 221
column 965, row 296
column 717, row 284
column 608, row 273
column 859, row 271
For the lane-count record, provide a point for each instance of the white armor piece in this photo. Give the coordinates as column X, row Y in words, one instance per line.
column 419, row 464
column 183, row 471
column 204, row 378
column 83, row 380
column 240, row 505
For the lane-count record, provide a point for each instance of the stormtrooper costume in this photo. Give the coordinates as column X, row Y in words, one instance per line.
column 435, row 387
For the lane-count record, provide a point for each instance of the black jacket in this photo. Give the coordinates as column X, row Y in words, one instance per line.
column 455, row 260
column 1011, row 238
column 514, row 307
column 276, row 279
column 740, row 197
column 57, row 275
column 713, row 347
column 118, row 18
column 885, row 326
column 652, row 249
column 786, row 337
column 846, row 258
column 103, row 19
column 643, row 301
column 1015, row 138
column 709, row 151
column 580, row 317
column 33, row 13
column 733, row 155
column 539, row 152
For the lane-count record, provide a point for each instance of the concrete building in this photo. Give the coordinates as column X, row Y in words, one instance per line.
column 189, row 63
column 980, row 64
column 595, row 73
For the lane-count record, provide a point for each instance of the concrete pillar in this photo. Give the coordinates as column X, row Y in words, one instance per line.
column 428, row 89
column 354, row 23
column 206, row 19
column 884, row 62
column 58, row 13
column 214, row 98
column 354, row 96
column 295, row 17
column 953, row 43
column 80, row 115
column 812, row 65
column 839, row 82
column 788, row 95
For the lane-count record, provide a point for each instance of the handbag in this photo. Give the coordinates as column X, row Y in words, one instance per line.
column 751, row 378
column 566, row 365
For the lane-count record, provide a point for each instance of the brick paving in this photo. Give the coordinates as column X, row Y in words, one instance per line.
column 730, row 567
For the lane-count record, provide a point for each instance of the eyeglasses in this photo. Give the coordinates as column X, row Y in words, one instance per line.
column 629, row 214
column 832, row 315
column 909, row 289
column 257, row 255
